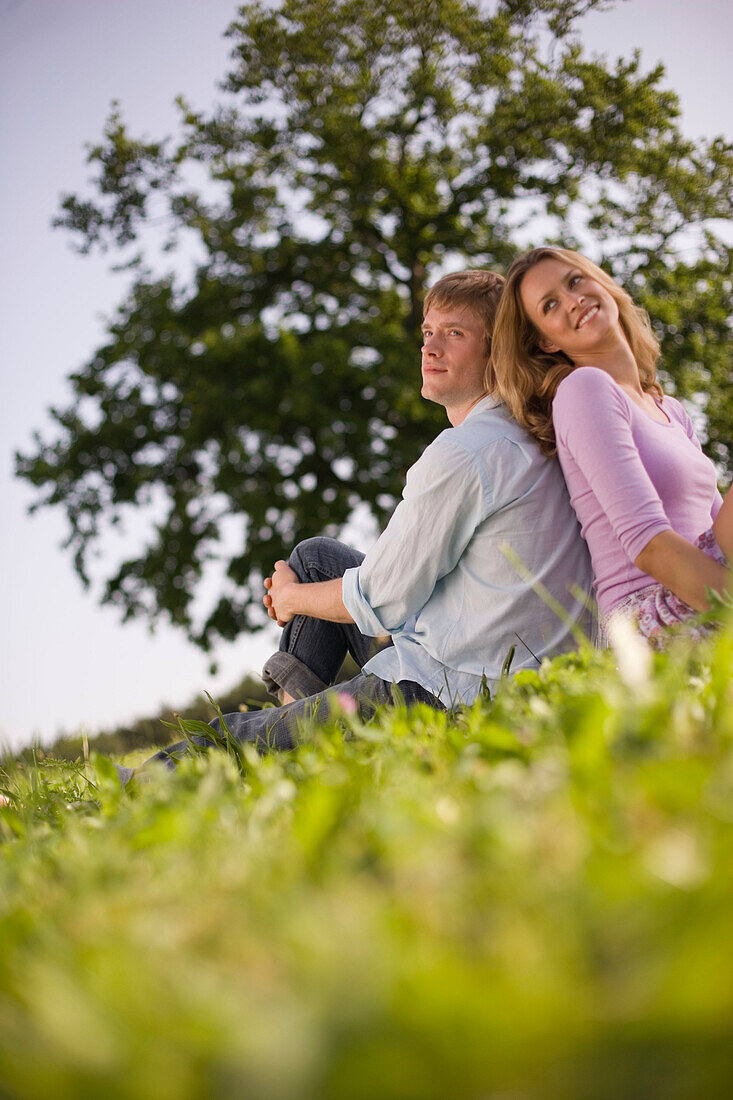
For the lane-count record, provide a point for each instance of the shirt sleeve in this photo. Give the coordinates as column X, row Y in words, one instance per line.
column 444, row 500
column 593, row 427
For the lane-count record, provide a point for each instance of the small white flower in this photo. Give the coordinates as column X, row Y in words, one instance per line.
column 675, row 858
column 632, row 652
column 447, row 810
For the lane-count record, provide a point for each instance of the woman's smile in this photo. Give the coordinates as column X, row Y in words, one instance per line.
column 587, row 315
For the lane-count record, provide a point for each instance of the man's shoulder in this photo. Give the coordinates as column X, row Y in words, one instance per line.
column 488, row 428
column 489, row 449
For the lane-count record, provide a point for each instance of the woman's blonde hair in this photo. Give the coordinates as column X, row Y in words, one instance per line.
column 525, row 376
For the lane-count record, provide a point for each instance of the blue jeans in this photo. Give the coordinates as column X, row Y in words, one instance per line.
column 306, row 665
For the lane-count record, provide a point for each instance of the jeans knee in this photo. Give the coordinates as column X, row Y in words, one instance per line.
column 308, row 553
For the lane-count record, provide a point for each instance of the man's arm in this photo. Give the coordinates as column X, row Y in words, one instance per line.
column 443, row 503
column 287, row 597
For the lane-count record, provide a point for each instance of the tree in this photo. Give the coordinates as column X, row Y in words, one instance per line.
column 356, row 149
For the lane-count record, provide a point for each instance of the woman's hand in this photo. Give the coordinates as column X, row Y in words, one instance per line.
column 683, row 568
column 281, row 587
column 723, row 527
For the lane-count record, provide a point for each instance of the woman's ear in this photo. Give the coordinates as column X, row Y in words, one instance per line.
column 548, row 346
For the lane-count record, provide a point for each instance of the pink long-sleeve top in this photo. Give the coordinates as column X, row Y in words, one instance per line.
column 629, row 477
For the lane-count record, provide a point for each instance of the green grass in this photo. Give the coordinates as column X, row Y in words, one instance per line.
column 533, row 899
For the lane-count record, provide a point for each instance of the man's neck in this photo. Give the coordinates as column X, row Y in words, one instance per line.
column 458, row 413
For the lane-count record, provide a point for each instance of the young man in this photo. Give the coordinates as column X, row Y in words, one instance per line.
column 438, row 579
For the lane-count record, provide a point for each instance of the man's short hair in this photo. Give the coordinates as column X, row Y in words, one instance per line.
column 476, row 290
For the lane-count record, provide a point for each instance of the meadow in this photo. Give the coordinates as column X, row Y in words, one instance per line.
column 530, row 899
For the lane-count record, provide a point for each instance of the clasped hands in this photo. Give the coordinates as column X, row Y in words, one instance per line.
column 280, row 586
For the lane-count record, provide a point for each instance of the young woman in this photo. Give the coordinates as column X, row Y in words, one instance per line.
column 575, row 361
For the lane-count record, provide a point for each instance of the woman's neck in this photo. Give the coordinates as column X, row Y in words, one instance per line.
column 616, row 358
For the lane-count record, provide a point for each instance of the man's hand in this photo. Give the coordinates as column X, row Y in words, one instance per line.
column 286, row 597
column 280, row 586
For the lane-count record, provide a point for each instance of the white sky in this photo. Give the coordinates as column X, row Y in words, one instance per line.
column 64, row 661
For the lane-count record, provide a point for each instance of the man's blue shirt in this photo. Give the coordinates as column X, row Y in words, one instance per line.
column 441, row 579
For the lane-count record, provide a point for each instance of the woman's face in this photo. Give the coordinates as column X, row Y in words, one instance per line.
column 570, row 310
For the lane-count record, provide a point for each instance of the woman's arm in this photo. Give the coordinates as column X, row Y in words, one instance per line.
column 723, row 527
column 683, row 568
column 592, row 422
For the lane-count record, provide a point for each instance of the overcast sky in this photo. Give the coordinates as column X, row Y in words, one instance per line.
column 64, row 661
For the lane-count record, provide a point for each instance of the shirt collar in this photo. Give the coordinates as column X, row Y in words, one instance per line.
column 489, row 401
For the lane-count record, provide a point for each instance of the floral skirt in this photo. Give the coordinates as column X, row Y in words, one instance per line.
column 654, row 608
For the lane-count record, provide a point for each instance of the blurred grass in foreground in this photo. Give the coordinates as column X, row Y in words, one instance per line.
column 533, row 899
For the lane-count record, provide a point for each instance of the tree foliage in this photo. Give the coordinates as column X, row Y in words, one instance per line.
column 355, row 151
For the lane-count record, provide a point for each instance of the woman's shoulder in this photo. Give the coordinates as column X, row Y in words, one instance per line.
column 583, row 388
column 586, row 380
column 676, row 409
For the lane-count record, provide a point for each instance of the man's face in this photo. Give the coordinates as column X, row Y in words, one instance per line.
column 453, row 358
